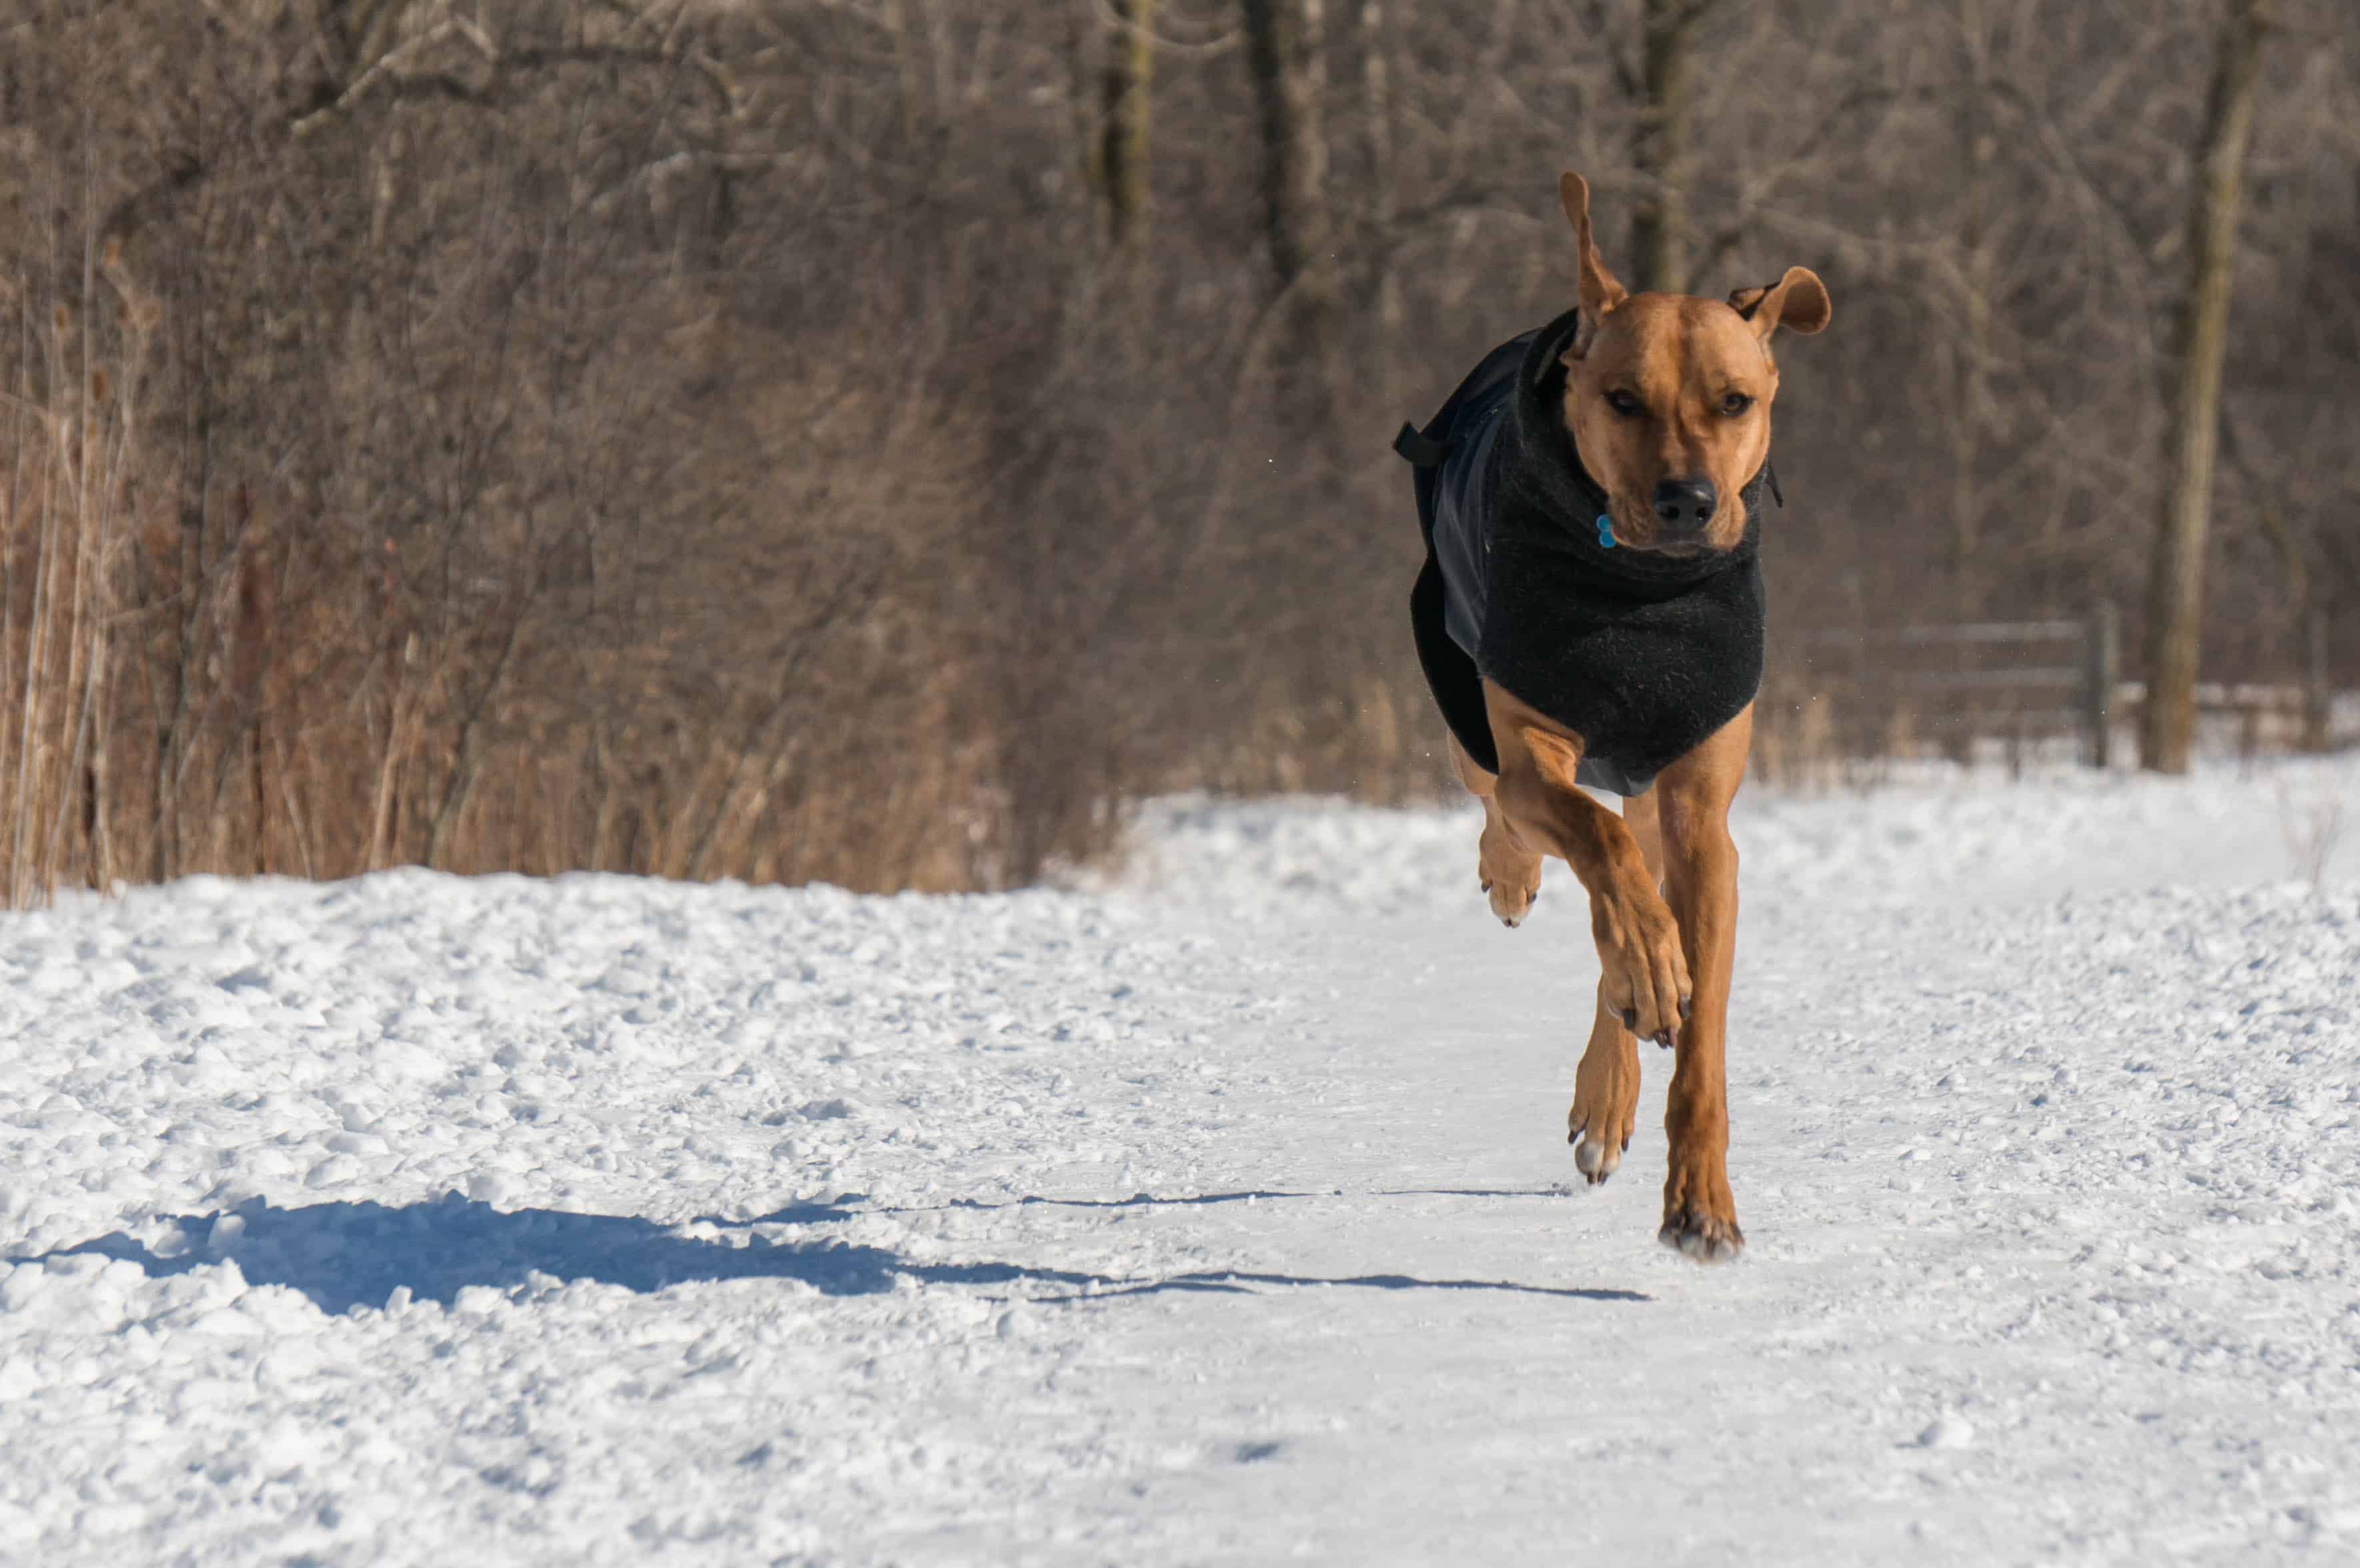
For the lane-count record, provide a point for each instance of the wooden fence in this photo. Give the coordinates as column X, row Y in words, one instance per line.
column 2029, row 686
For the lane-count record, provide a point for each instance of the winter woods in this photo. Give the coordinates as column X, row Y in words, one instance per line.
column 875, row 440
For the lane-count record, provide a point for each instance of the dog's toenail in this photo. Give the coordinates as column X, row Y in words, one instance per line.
column 1631, row 1020
column 1686, row 1008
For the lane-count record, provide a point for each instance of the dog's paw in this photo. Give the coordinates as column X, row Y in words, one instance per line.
column 1702, row 1237
column 1643, row 974
column 1512, row 899
column 1597, row 1158
column 1699, row 1215
column 1509, row 872
column 1605, row 1107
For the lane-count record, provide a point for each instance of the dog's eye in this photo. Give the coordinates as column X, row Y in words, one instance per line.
column 1623, row 403
column 1735, row 403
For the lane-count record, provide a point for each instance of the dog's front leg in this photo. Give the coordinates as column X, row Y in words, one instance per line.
column 1643, row 974
column 1700, row 878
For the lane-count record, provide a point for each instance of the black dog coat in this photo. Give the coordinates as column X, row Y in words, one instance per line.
column 1641, row 655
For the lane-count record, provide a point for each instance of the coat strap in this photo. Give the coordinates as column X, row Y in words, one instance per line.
column 1420, row 451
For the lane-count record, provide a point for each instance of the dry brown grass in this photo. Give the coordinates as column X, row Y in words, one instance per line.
column 699, row 701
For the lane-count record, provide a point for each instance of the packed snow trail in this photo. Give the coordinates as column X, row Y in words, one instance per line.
column 1222, row 1214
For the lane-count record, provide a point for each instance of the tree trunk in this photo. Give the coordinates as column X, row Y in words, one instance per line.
column 1384, row 205
column 1664, row 153
column 1122, row 133
column 2176, row 593
column 1081, row 17
column 1282, row 52
column 1981, row 143
column 905, row 64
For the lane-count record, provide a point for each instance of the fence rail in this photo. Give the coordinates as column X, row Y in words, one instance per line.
column 1965, row 631
column 2024, row 680
column 1988, row 680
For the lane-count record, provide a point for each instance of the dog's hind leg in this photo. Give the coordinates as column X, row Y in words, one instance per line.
column 1605, row 1098
column 1606, row 1085
column 1646, row 825
column 1509, row 872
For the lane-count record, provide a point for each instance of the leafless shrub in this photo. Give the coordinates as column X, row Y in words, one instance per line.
column 2311, row 823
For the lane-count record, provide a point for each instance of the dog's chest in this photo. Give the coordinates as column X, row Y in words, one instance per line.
column 1641, row 680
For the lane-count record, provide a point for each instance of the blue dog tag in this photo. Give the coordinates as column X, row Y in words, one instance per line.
column 1605, row 531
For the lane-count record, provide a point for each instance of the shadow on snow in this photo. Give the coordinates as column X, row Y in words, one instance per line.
column 1200, row 1199
column 347, row 1255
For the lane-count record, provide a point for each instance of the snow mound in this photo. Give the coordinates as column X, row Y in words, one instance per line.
column 1222, row 1212
column 1939, row 832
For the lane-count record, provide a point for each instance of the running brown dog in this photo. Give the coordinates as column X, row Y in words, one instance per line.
column 1590, row 613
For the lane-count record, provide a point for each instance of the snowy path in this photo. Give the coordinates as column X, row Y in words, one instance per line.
column 1219, row 1217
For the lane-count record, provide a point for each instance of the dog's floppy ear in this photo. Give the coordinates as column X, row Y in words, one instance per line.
column 1599, row 291
column 1798, row 301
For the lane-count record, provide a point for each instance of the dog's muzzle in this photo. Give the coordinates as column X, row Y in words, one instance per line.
column 1683, row 509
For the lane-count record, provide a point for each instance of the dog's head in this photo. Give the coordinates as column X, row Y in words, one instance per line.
column 1668, row 395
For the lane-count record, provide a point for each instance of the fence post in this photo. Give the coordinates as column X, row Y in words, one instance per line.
column 2101, row 673
column 2318, row 697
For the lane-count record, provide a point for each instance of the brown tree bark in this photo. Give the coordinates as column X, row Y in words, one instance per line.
column 1283, row 54
column 1123, row 128
column 1665, row 151
column 1377, row 111
column 1981, row 143
column 2176, row 591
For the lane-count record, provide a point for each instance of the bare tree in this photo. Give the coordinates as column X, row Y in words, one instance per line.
column 1384, row 176
column 1663, row 151
column 1123, row 139
column 1283, row 54
column 2176, row 593
column 1979, row 148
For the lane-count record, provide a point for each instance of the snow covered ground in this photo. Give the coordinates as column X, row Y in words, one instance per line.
column 1221, row 1214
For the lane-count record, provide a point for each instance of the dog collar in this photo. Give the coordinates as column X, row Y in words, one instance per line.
column 1750, row 495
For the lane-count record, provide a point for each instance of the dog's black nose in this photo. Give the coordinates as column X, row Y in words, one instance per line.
column 1684, row 506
